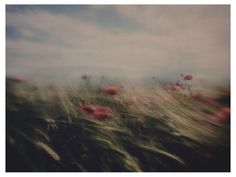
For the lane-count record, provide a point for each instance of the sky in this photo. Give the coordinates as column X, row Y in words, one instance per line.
column 129, row 42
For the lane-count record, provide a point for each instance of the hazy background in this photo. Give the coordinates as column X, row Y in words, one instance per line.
column 134, row 43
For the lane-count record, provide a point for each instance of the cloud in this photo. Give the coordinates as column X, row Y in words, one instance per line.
column 134, row 42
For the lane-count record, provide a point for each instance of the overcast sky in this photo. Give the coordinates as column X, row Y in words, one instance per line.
column 130, row 42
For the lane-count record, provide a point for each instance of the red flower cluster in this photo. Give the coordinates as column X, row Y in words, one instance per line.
column 97, row 112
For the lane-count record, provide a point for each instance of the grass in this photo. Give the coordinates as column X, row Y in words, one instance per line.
column 150, row 129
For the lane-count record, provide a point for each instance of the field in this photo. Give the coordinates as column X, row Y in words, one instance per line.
column 156, row 127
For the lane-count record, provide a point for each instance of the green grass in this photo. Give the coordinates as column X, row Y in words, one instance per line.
column 45, row 131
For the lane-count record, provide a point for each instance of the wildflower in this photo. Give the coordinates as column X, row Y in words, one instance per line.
column 111, row 90
column 98, row 112
column 89, row 109
column 223, row 114
column 226, row 110
column 188, row 77
column 101, row 113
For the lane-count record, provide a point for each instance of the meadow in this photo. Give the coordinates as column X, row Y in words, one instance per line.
column 161, row 127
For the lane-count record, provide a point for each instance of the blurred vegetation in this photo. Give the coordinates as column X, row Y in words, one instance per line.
column 151, row 129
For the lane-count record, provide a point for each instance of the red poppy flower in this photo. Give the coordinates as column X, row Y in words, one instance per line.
column 188, row 77
column 223, row 114
column 226, row 110
column 89, row 109
column 98, row 112
column 111, row 90
column 101, row 113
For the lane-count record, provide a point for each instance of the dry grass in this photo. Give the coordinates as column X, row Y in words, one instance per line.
column 150, row 129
